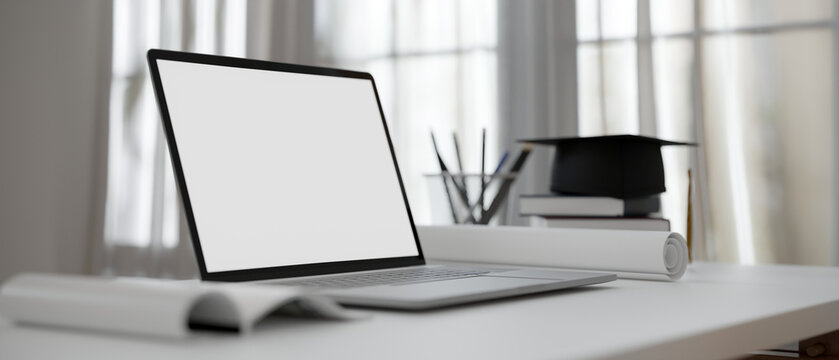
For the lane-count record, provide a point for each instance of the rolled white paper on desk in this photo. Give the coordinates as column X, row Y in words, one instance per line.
column 629, row 253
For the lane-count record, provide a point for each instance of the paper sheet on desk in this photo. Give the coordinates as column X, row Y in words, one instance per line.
column 631, row 254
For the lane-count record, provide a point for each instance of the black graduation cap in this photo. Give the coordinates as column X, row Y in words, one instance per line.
column 620, row 166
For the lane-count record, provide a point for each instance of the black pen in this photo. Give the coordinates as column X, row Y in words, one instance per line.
column 461, row 188
column 462, row 183
column 457, row 153
column 505, row 187
column 444, row 171
column 485, row 186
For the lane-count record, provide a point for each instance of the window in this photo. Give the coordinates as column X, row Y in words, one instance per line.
column 751, row 82
column 434, row 63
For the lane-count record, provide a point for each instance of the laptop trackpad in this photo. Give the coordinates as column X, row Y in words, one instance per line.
column 440, row 293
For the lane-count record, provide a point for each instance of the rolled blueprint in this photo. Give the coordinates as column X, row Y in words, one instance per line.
column 629, row 253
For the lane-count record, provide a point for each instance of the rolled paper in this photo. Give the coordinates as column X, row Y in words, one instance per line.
column 632, row 254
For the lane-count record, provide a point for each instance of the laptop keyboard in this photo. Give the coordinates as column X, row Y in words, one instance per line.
column 412, row 275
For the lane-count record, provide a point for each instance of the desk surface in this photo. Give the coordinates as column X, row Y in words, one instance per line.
column 715, row 311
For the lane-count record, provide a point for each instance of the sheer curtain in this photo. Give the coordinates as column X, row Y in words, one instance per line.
column 748, row 80
column 144, row 231
column 434, row 62
column 537, row 85
column 632, row 82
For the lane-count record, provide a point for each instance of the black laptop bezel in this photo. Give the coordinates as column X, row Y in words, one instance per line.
column 276, row 272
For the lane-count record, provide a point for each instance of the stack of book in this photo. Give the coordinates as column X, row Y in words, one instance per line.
column 595, row 212
column 603, row 182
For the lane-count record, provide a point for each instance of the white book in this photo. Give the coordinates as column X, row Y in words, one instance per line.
column 615, row 223
column 556, row 205
column 563, row 205
column 153, row 307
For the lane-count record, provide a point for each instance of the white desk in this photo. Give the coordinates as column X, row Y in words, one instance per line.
column 716, row 311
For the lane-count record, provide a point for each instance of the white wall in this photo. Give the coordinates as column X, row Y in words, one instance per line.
column 52, row 75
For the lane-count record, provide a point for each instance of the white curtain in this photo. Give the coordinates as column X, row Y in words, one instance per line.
column 750, row 81
column 537, row 85
column 434, row 62
column 144, row 231
column 768, row 113
column 630, row 82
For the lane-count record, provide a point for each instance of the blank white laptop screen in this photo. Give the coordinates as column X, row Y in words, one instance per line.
column 284, row 168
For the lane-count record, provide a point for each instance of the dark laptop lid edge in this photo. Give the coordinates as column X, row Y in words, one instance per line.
column 279, row 271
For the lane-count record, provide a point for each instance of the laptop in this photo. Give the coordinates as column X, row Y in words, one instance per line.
column 287, row 175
